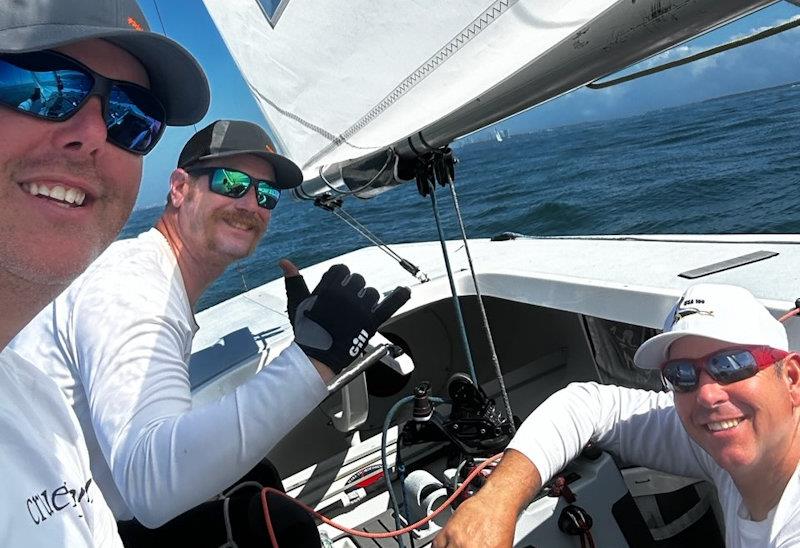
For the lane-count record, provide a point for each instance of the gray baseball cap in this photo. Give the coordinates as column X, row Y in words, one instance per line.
column 175, row 76
column 226, row 138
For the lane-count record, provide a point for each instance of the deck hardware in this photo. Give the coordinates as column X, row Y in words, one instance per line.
column 357, row 367
column 438, row 166
column 728, row 264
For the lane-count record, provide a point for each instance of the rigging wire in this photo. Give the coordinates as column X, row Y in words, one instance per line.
column 696, row 57
column 241, row 273
column 484, row 319
column 462, row 329
column 164, row 31
column 353, row 223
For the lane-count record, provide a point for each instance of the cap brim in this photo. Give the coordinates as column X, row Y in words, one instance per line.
column 653, row 352
column 175, row 76
column 287, row 174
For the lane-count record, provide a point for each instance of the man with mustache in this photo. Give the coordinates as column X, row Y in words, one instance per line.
column 119, row 341
column 69, row 174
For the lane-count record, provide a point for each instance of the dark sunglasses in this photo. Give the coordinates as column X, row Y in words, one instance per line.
column 724, row 366
column 52, row 86
column 235, row 184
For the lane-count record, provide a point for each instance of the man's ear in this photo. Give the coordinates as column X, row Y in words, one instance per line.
column 791, row 375
column 179, row 183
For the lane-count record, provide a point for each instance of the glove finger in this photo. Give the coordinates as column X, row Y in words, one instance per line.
column 335, row 275
column 296, row 292
column 369, row 298
column 391, row 304
column 355, row 282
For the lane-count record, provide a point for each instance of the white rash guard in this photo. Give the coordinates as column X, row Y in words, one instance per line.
column 49, row 498
column 642, row 427
column 117, row 342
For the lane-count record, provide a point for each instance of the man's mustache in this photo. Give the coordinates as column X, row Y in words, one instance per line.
column 245, row 218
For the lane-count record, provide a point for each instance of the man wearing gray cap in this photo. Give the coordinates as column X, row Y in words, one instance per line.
column 154, row 455
column 731, row 417
column 85, row 91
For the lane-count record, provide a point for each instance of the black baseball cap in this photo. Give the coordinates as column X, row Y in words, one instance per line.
column 226, row 138
column 175, row 76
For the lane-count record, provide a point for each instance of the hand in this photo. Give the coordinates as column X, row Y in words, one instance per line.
column 489, row 518
column 334, row 323
column 478, row 523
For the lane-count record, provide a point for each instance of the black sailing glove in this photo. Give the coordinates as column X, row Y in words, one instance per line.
column 334, row 323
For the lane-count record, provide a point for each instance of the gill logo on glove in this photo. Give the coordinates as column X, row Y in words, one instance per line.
column 358, row 343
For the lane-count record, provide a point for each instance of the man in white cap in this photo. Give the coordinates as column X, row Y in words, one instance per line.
column 731, row 417
column 85, row 91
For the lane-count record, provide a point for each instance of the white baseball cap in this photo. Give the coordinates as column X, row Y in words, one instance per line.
column 725, row 313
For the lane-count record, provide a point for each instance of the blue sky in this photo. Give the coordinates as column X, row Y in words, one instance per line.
column 768, row 63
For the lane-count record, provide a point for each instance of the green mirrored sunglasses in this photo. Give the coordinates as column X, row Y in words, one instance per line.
column 235, row 184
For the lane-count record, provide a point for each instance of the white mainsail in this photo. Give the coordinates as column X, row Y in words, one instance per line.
column 340, row 81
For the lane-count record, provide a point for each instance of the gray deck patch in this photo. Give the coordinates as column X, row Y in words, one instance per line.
column 727, row 265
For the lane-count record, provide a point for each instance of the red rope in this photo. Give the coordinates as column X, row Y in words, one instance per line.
column 789, row 314
column 356, row 532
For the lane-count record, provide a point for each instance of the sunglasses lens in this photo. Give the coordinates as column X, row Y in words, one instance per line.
column 53, row 92
column 135, row 119
column 232, row 184
column 732, row 366
column 53, row 87
column 680, row 376
column 267, row 195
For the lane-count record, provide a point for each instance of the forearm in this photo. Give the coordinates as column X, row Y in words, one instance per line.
column 171, row 462
column 488, row 519
column 637, row 426
column 513, row 483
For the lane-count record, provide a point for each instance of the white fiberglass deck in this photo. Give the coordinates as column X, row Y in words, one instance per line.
column 626, row 278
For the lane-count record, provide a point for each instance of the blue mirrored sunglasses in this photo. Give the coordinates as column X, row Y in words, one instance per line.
column 54, row 87
column 235, row 184
column 723, row 366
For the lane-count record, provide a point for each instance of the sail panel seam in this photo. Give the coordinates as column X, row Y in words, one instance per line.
column 479, row 24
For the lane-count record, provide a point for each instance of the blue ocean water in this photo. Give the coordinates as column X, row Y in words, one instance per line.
column 728, row 165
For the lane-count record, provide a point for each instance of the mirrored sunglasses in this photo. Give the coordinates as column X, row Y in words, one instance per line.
column 52, row 86
column 724, row 366
column 236, row 184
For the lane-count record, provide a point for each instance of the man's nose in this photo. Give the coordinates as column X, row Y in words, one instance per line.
column 710, row 393
column 85, row 132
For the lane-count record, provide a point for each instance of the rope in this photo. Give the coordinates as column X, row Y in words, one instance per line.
column 389, row 156
column 789, row 315
column 385, row 463
column 484, row 319
column 457, row 305
column 355, row 532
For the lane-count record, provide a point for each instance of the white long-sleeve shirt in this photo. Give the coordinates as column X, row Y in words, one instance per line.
column 117, row 342
column 642, row 427
column 49, row 497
